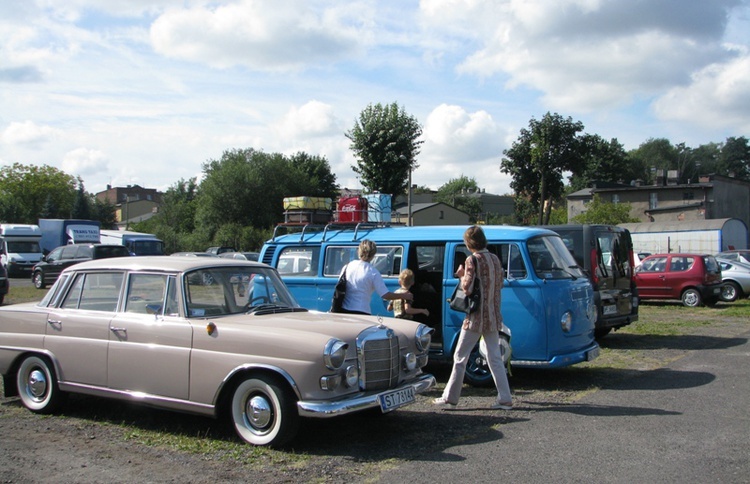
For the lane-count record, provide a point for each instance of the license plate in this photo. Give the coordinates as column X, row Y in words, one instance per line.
column 397, row 398
column 593, row 354
column 717, row 290
column 612, row 309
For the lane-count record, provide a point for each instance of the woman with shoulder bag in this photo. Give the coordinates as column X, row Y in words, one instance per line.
column 362, row 279
column 485, row 322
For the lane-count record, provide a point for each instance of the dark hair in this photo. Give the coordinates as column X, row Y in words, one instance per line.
column 475, row 238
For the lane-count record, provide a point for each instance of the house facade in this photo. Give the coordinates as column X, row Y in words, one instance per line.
column 712, row 197
column 133, row 203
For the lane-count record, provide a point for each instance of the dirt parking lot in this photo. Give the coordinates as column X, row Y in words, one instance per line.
column 94, row 440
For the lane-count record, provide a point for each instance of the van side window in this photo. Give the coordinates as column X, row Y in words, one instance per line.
column 298, row 261
column 387, row 261
column 509, row 255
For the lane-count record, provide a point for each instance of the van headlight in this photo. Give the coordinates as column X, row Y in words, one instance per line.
column 335, row 354
column 566, row 321
column 423, row 337
column 591, row 312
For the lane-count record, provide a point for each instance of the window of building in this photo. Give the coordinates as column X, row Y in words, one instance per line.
column 653, row 200
column 615, row 198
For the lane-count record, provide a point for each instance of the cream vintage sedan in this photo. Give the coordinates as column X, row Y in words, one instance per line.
column 208, row 336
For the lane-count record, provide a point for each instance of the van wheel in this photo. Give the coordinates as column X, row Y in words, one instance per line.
column 730, row 292
column 477, row 370
column 691, row 298
column 38, row 280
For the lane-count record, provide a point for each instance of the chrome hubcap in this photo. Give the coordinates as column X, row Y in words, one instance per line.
column 258, row 412
column 37, row 384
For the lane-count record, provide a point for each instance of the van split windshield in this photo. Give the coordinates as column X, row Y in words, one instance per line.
column 551, row 259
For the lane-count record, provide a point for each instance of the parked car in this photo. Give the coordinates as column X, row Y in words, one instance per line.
column 51, row 265
column 4, row 283
column 735, row 255
column 151, row 330
column 193, row 254
column 253, row 256
column 605, row 253
column 694, row 279
column 736, row 278
column 219, row 250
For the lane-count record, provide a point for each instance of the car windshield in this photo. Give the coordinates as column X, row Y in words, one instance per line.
column 551, row 259
column 218, row 291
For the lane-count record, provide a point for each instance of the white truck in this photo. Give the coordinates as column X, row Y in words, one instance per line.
column 19, row 248
column 137, row 243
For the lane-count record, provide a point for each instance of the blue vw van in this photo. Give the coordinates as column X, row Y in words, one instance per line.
column 547, row 301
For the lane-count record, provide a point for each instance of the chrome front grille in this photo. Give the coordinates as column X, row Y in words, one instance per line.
column 378, row 352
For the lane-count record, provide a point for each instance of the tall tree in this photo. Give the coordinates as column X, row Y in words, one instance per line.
column 656, row 154
column 25, row 191
column 81, row 204
column 537, row 160
column 604, row 161
column 385, row 141
column 458, row 193
column 735, row 158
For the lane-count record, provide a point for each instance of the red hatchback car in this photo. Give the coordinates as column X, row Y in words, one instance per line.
column 695, row 279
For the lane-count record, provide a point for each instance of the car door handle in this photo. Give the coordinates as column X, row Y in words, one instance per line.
column 119, row 330
column 54, row 323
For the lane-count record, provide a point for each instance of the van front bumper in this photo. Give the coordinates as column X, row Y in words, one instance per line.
column 589, row 353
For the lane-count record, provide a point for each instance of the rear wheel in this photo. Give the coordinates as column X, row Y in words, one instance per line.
column 691, row 298
column 478, row 369
column 37, row 385
column 38, row 280
column 730, row 291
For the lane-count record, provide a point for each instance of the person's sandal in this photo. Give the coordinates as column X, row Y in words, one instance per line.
column 442, row 402
column 502, row 406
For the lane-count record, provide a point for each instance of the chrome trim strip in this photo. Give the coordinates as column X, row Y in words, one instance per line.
column 141, row 398
column 357, row 402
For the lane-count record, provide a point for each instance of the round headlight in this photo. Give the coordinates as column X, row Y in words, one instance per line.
column 423, row 337
column 591, row 312
column 335, row 354
column 566, row 321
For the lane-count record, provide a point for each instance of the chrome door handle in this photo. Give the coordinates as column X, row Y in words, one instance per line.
column 54, row 323
column 119, row 330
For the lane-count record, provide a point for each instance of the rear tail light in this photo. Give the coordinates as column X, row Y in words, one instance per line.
column 594, row 267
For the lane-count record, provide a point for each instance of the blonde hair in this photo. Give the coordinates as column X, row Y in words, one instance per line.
column 367, row 250
column 406, row 278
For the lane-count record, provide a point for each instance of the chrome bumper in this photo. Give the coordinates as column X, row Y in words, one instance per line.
column 325, row 409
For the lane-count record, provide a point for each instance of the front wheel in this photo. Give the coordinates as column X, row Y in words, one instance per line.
column 37, row 385
column 264, row 412
column 691, row 298
column 730, row 291
column 478, row 369
column 38, row 280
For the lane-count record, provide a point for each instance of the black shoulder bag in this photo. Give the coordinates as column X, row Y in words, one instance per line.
column 459, row 301
column 339, row 291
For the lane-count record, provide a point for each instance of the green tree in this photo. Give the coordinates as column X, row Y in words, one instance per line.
column 385, row 141
column 247, row 188
column 604, row 161
column 599, row 212
column 81, row 205
column 104, row 211
column 734, row 159
column 655, row 154
column 458, row 193
column 537, row 160
column 26, row 191
column 175, row 222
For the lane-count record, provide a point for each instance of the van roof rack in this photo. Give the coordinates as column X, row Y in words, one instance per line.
column 306, row 228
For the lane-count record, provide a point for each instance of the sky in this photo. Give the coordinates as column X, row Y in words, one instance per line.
column 123, row 92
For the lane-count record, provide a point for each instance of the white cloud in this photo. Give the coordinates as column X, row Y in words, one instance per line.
column 584, row 55
column 84, row 162
column 311, row 119
column 27, row 132
column 267, row 36
column 717, row 97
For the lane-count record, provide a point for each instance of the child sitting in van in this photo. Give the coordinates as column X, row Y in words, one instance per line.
column 402, row 308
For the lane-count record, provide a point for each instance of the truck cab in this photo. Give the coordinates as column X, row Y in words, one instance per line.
column 19, row 248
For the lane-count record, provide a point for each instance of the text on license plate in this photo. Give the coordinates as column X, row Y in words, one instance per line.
column 611, row 309
column 392, row 400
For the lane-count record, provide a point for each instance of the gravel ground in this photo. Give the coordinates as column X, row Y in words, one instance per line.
column 96, row 440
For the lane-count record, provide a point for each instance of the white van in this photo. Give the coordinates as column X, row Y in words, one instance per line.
column 19, row 248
